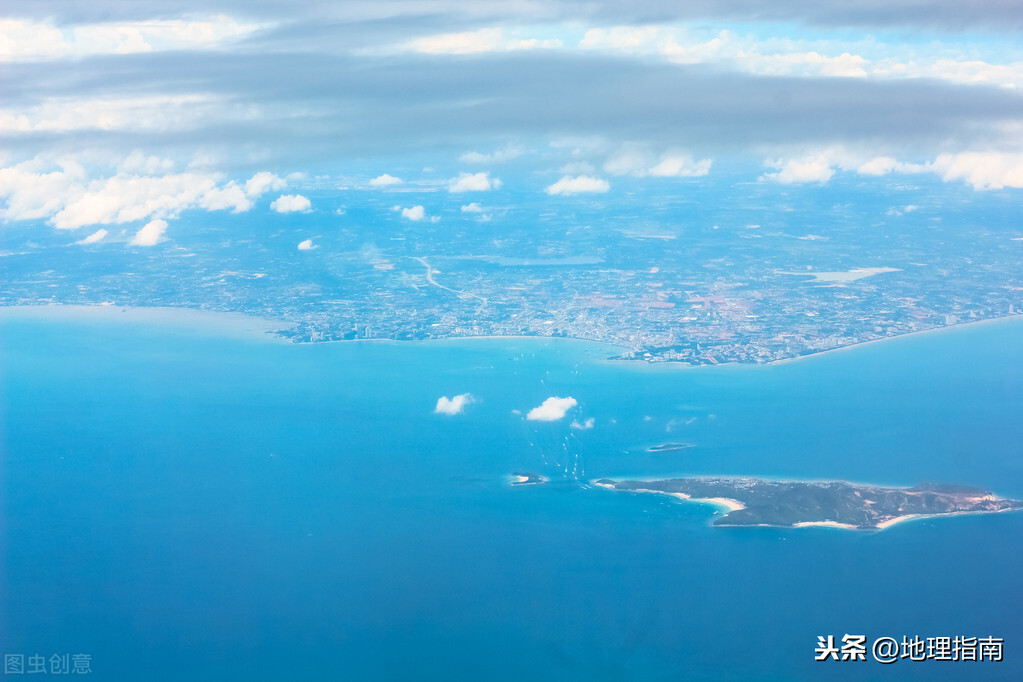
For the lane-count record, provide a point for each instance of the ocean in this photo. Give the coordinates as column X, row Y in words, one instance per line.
column 188, row 498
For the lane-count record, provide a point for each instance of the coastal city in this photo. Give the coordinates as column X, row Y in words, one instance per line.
column 683, row 287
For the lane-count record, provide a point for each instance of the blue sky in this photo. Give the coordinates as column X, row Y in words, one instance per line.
column 118, row 117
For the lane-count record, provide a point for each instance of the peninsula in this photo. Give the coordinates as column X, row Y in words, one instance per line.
column 759, row 502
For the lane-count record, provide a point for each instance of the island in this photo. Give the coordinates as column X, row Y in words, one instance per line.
column 669, row 447
column 527, row 478
column 760, row 502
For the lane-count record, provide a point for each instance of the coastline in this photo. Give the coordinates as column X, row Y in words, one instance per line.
column 244, row 323
column 231, row 323
column 907, row 335
column 726, row 502
column 735, row 505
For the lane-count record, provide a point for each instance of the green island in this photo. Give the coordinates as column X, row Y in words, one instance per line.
column 759, row 502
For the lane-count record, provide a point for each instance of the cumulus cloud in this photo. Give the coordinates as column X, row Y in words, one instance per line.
column 290, row 203
column 263, row 182
column 810, row 169
column 578, row 185
column 96, row 236
column 63, row 192
column 453, row 405
column 982, row 170
column 385, row 180
column 552, row 409
column 307, row 245
column 151, row 234
column 473, row 182
column 584, row 425
column 413, row 213
column 472, row 208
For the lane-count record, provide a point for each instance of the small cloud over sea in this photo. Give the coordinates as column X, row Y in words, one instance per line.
column 453, row 405
column 552, row 409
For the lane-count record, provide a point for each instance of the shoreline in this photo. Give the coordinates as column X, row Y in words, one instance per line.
column 244, row 322
column 232, row 323
column 861, row 344
column 726, row 502
column 736, row 505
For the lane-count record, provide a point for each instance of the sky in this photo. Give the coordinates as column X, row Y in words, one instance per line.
column 128, row 114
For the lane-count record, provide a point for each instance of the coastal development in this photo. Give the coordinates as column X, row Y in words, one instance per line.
column 758, row 502
column 742, row 282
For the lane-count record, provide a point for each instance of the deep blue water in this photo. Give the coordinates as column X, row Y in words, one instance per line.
column 184, row 504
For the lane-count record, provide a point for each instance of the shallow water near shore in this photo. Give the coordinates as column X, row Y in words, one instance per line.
column 185, row 503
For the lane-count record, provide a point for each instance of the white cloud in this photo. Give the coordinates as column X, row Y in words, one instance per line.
column 811, row 63
column 385, row 180
column 957, row 71
column 982, row 170
column 62, row 192
column 680, row 166
column 583, row 426
column 786, row 57
column 307, row 245
column 578, row 184
column 262, row 182
column 636, row 160
column 816, row 168
column 476, row 42
column 745, row 53
column 552, row 409
column 151, row 234
column 96, row 236
column 472, row 208
column 413, row 213
column 25, row 40
column 453, row 405
column 473, row 182
column 290, row 203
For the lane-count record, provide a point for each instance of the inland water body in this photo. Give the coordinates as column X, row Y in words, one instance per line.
column 190, row 499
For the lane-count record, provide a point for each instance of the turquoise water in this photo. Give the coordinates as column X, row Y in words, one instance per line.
column 184, row 504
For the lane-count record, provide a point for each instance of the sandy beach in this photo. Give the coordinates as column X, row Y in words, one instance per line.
column 726, row 502
column 825, row 524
